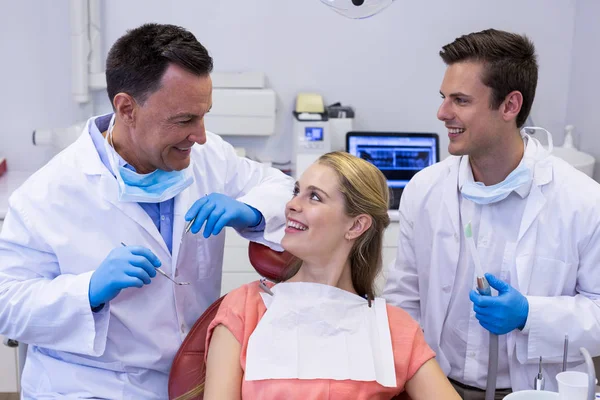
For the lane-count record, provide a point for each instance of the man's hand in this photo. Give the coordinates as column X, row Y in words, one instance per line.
column 124, row 267
column 503, row 313
column 218, row 211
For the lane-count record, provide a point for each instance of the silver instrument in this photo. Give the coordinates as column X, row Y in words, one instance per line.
column 539, row 381
column 163, row 273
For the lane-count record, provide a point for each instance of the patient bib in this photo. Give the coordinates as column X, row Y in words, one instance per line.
column 316, row 331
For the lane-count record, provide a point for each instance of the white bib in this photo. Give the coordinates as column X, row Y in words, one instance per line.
column 316, row 331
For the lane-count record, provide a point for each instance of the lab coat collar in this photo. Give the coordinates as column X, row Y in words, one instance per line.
column 89, row 162
column 538, row 160
column 87, row 158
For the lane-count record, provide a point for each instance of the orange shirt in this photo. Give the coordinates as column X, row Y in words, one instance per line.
column 240, row 312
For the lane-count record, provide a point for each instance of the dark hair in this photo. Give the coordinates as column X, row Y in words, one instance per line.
column 365, row 191
column 509, row 63
column 138, row 60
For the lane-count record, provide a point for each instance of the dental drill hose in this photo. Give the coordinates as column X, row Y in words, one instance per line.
column 490, row 389
column 483, row 288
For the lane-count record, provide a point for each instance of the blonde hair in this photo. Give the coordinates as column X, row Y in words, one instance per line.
column 365, row 191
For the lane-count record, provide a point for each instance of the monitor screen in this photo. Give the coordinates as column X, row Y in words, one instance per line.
column 398, row 155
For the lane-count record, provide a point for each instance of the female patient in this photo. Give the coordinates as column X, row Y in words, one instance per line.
column 321, row 334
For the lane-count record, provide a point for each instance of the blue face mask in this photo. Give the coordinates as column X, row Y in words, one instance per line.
column 155, row 187
column 478, row 193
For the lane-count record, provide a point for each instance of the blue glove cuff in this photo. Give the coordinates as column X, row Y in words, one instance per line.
column 98, row 309
column 525, row 313
column 257, row 214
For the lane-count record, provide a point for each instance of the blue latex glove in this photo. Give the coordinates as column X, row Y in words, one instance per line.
column 129, row 266
column 503, row 313
column 218, row 211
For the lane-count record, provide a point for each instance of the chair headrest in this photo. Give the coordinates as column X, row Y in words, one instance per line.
column 267, row 262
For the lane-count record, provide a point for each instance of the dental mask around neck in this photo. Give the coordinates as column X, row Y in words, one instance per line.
column 479, row 193
column 155, row 187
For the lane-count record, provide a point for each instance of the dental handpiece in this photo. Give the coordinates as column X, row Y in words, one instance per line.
column 483, row 287
column 539, row 382
column 565, row 353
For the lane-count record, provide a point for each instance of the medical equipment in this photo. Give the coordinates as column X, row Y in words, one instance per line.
column 264, row 286
column 532, row 395
column 357, row 9
column 241, row 111
column 189, row 225
column 341, row 121
column 565, row 352
column 591, row 373
column 57, row 138
column 482, row 284
column 398, row 155
column 580, row 160
column 483, row 288
column 572, row 385
column 539, row 382
column 311, row 131
column 163, row 273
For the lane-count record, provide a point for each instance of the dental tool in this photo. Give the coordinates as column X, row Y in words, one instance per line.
column 262, row 284
column 483, row 287
column 163, row 273
column 539, row 382
column 565, row 353
column 189, row 225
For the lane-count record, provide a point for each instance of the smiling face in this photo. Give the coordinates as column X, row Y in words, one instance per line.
column 316, row 218
column 171, row 120
column 474, row 128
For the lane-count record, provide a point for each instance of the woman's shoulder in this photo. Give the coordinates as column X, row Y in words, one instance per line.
column 397, row 316
column 240, row 310
column 247, row 295
column 403, row 327
column 410, row 348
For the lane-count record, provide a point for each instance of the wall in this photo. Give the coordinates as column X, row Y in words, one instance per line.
column 583, row 99
column 35, row 83
column 386, row 67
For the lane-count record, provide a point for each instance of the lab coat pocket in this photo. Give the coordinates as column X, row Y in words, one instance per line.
column 200, row 258
column 549, row 276
column 191, row 260
column 60, row 372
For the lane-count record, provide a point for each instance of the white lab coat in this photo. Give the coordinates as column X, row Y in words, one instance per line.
column 61, row 225
column 555, row 263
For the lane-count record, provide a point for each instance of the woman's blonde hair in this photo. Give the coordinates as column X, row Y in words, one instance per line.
column 365, row 191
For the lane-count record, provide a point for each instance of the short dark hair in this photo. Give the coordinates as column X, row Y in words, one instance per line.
column 138, row 60
column 509, row 63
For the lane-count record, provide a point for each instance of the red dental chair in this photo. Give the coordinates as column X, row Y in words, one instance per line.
column 188, row 369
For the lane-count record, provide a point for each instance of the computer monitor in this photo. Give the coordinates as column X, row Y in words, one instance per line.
column 399, row 155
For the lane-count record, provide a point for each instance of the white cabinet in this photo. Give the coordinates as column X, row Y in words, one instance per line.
column 237, row 269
